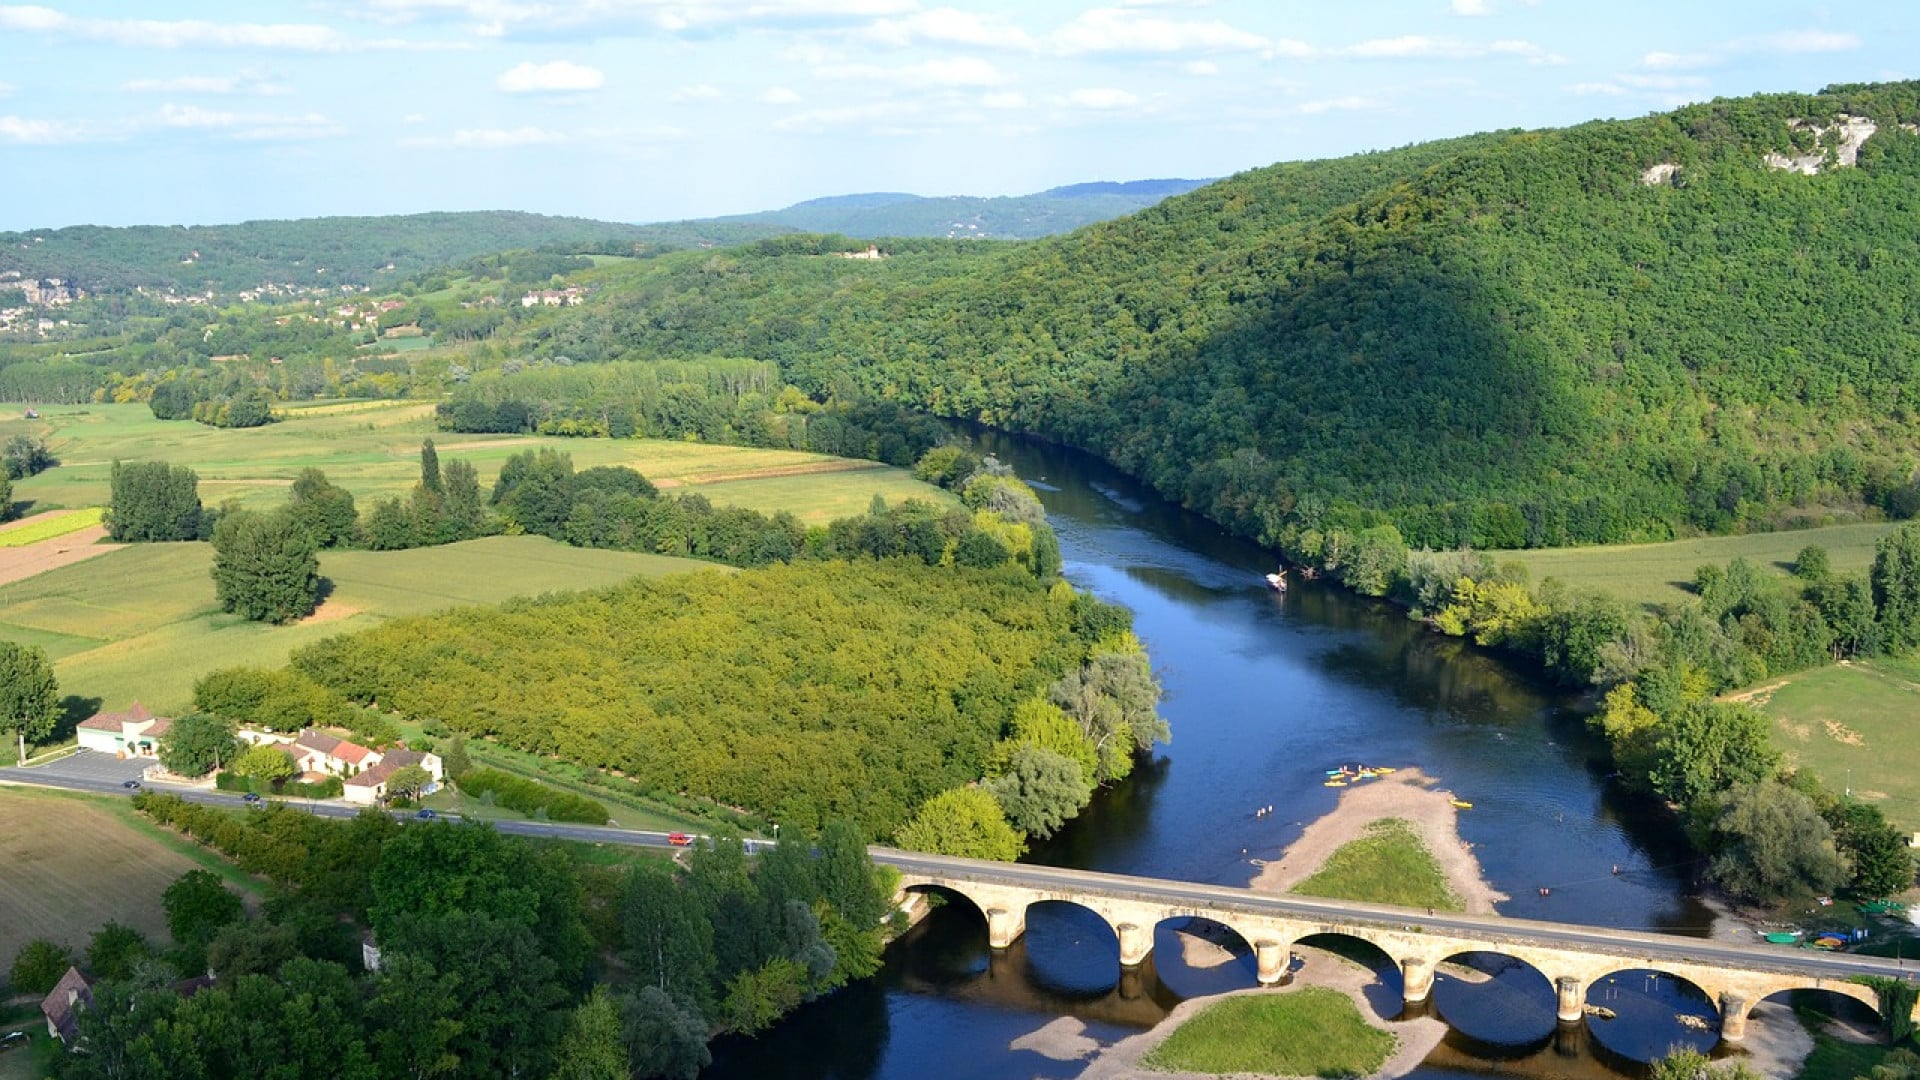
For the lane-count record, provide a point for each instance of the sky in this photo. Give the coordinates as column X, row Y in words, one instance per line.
column 185, row 112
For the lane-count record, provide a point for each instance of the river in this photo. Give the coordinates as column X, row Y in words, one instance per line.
column 1264, row 693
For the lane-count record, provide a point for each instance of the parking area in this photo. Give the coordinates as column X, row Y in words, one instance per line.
column 91, row 768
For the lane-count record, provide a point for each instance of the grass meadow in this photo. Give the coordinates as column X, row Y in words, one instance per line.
column 1654, row 574
column 1387, row 864
column 1853, row 726
column 141, row 622
column 1312, row 1031
column 372, row 449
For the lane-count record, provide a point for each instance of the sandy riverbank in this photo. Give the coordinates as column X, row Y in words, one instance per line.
column 1416, row 1038
column 1409, row 795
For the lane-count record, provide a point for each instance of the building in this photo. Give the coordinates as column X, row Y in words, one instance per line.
column 134, row 733
column 364, row 770
column 62, row 1007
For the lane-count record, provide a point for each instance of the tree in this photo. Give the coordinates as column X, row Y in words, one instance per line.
column 1041, row 790
column 323, row 510
column 1774, row 845
column 388, row 526
column 264, row 567
column 964, row 821
column 154, row 501
column 1693, row 1065
column 24, row 456
column 664, row 1037
column 197, row 744
column 6, row 497
column 418, row 1015
column 535, row 491
column 466, row 514
column 198, row 906
column 757, row 997
column 263, row 764
column 1882, row 863
column 1899, row 1065
column 1812, row 564
column 1896, row 586
column 407, row 782
column 38, row 966
column 1706, row 747
column 429, row 467
column 29, row 694
column 115, row 951
column 593, row 1047
column 456, row 762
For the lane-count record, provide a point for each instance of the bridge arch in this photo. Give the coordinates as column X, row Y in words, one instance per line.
column 1197, row 954
column 1641, row 1013
column 1847, row 1003
column 1497, row 998
column 1387, row 992
column 1071, row 947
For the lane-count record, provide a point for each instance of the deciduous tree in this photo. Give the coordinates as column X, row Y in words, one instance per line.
column 38, row 966
column 1774, row 845
column 963, row 821
column 264, row 567
column 154, row 501
column 265, row 763
column 197, row 744
column 29, row 694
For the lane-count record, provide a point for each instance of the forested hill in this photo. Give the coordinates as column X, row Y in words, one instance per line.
column 1013, row 217
column 1619, row 330
column 320, row 251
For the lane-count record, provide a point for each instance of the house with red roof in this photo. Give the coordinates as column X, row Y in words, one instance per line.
column 134, row 733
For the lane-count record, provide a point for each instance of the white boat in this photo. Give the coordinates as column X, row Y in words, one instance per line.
column 1277, row 581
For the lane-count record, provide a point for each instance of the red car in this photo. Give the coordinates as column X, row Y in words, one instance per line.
column 679, row 839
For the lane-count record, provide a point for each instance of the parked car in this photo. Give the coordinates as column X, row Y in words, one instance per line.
column 424, row 814
column 131, row 785
column 251, row 798
column 12, row 1040
column 679, row 839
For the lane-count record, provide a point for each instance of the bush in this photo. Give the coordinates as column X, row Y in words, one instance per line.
column 38, row 967
column 330, row 788
column 531, row 798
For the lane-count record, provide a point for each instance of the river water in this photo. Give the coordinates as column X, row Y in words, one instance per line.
column 1264, row 693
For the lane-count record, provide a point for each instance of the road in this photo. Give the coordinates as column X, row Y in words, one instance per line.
column 1183, row 894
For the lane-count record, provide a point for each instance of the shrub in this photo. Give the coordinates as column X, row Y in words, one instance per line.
column 531, row 798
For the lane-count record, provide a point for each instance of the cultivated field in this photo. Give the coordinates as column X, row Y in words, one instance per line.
column 32, row 530
column 74, row 862
column 1659, row 573
column 140, row 622
column 1853, row 725
column 372, row 449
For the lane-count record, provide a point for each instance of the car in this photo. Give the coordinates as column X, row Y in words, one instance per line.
column 251, row 798
column 131, row 785
column 679, row 839
column 13, row 1039
column 424, row 814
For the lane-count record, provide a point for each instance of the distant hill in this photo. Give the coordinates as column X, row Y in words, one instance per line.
column 1695, row 321
column 1012, row 217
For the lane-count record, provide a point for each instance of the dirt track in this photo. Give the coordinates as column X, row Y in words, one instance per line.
column 18, row 564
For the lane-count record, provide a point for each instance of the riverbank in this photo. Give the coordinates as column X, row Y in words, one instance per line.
column 1409, row 795
column 1414, row 1039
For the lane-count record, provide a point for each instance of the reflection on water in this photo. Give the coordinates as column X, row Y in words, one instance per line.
column 1265, row 692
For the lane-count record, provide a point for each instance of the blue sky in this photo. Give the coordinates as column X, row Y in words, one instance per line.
column 645, row 110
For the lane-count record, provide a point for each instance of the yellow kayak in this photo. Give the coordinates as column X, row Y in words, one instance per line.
column 1335, row 783
column 1463, row 804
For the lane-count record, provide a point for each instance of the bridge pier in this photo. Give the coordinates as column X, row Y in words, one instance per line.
column 1572, row 999
column 1733, row 1016
column 1135, row 943
column 1417, row 975
column 1272, row 958
column 1004, row 927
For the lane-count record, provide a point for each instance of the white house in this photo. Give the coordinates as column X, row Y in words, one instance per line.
column 134, row 733
column 364, row 770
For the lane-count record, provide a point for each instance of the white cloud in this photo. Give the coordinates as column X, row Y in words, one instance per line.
column 489, row 139
column 1004, row 100
column 955, row 71
column 950, row 26
column 37, row 132
column 192, row 33
column 243, row 83
column 1672, row 60
column 1419, row 47
column 1120, row 30
column 559, row 76
column 1100, row 97
column 697, row 92
column 1472, row 7
column 779, row 95
column 592, row 19
column 249, row 126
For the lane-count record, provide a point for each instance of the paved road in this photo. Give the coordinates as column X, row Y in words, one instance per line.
column 1222, row 898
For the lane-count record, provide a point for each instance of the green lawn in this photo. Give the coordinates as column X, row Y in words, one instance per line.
column 1835, row 1059
column 371, row 448
column 1659, row 573
column 1387, row 865
column 1312, row 1031
column 1853, row 725
column 141, row 622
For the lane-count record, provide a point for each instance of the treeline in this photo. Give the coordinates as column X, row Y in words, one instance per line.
column 496, row 957
column 1768, row 832
column 801, row 693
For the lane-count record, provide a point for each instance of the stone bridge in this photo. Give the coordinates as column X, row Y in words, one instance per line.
column 1572, row 958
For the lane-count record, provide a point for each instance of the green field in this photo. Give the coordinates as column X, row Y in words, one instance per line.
column 141, row 622
column 1853, row 725
column 1312, row 1031
column 1661, row 573
column 1387, row 865
column 372, row 448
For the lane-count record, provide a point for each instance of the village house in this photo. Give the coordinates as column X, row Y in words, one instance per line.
column 74, row 992
column 134, row 733
column 363, row 770
column 571, row 296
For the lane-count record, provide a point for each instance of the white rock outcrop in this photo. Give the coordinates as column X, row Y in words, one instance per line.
column 1658, row 174
column 1844, row 137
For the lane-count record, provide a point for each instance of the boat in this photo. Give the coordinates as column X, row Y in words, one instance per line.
column 1277, row 581
column 1385, row 770
column 1783, row 938
column 1461, row 804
